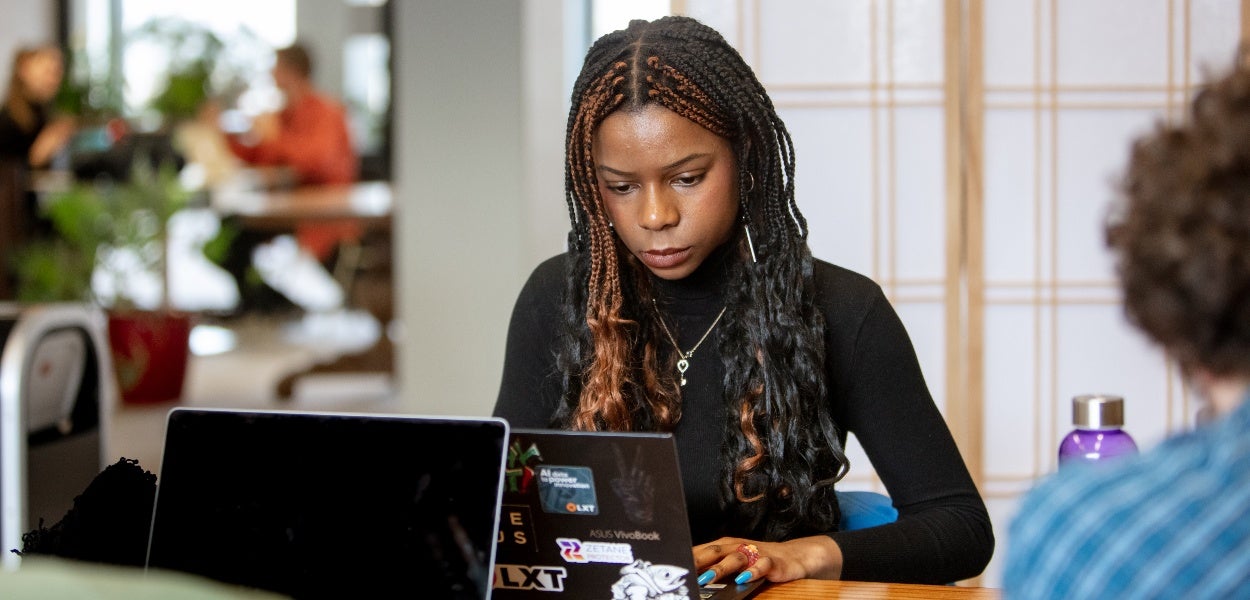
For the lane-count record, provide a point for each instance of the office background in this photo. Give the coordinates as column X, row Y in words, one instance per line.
column 960, row 152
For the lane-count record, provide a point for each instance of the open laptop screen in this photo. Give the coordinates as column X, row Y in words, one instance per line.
column 330, row 505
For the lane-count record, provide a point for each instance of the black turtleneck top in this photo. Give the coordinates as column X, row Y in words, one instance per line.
column 876, row 391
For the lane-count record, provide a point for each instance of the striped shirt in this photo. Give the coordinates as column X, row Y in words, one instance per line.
column 1171, row 523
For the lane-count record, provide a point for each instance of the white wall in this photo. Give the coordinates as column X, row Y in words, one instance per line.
column 23, row 24
column 551, row 58
column 474, row 215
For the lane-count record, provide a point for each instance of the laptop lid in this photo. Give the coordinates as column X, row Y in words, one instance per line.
column 330, row 504
column 596, row 515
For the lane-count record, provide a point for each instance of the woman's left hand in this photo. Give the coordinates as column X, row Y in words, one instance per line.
column 741, row 560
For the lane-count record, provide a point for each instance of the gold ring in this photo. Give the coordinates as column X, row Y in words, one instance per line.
column 751, row 552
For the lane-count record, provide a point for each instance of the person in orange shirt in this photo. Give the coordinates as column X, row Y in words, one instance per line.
column 310, row 137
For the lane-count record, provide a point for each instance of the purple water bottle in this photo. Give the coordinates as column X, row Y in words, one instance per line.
column 1097, row 437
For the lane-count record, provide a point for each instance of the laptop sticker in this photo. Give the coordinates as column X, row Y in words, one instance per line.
column 642, row 580
column 524, row 577
column 576, row 551
column 516, row 527
column 634, row 486
column 567, row 490
column 519, row 474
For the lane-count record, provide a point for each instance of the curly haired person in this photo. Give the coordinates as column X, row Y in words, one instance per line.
column 1171, row 523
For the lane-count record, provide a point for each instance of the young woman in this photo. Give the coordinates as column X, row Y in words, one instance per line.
column 688, row 301
column 28, row 135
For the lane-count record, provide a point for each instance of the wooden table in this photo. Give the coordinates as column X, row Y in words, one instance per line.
column 817, row 589
column 371, row 284
column 369, row 203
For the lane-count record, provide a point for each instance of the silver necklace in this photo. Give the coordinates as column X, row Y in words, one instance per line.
column 683, row 358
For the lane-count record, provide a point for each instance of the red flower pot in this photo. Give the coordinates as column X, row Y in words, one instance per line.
column 150, row 354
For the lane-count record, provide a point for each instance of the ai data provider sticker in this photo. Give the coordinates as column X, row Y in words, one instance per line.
column 567, row 490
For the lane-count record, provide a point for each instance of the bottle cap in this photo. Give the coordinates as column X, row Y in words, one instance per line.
column 1098, row 411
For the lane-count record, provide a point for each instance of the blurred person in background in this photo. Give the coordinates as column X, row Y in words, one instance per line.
column 30, row 137
column 29, row 134
column 310, row 135
column 310, row 138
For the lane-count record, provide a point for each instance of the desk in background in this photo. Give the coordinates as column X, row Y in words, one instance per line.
column 817, row 589
column 281, row 210
column 368, row 284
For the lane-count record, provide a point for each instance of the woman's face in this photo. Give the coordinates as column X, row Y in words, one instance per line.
column 41, row 74
column 668, row 185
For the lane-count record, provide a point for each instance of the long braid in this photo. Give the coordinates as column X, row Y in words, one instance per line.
column 782, row 445
column 604, row 386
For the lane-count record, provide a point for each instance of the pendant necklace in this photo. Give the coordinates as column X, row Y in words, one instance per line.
column 683, row 358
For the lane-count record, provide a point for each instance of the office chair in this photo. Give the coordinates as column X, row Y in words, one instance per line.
column 56, row 389
column 861, row 510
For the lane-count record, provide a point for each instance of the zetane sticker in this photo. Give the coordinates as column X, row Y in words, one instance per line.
column 567, row 490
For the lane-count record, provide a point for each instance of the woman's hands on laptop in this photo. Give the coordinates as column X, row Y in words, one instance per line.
column 742, row 560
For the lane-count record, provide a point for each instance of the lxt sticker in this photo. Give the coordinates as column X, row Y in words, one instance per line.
column 567, row 490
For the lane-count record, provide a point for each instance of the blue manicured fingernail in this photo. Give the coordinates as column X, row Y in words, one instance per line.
column 707, row 577
column 742, row 577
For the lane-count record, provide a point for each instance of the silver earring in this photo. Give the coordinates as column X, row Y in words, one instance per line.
column 750, row 245
column 750, row 188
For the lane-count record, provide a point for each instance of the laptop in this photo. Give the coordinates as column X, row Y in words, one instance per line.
column 330, row 505
column 597, row 515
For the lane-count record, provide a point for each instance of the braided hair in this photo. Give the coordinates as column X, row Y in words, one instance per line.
column 782, row 455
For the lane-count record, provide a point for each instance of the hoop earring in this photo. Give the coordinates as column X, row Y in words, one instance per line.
column 750, row 188
column 750, row 245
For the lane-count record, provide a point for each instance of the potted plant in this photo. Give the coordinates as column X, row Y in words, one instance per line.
column 111, row 248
